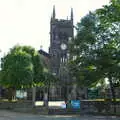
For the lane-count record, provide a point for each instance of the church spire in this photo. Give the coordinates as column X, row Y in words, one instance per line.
column 72, row 14
column 53, row 12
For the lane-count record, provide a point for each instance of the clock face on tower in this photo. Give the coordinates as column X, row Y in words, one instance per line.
column 63, row 46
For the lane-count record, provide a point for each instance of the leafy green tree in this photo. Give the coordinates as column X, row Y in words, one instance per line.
column 81, row 49
column 109, row 54
column 48, row 78
column 96, row 48
column 17, row 70
column 21, row 68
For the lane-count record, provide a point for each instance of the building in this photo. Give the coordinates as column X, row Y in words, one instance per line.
column 45, row 59
column 61, row 31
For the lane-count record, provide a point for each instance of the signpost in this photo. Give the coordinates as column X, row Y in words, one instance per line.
column 92, row 93
column 75, row 104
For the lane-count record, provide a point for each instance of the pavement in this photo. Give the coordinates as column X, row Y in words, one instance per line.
column 8, row 115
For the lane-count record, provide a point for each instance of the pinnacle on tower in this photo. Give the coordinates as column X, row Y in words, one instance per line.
column 72, row 14
column 53, row 12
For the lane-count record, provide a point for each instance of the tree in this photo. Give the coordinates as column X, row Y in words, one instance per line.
column 110, row 52
column 21, row 68
column 96, row 48
column 81, row 48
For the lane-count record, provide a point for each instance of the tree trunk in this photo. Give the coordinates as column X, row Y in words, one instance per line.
column 33, row 96
column 113, row 93
column 11, row 93
column 46, row 99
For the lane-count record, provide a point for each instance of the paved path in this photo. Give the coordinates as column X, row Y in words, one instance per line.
column 7, row 115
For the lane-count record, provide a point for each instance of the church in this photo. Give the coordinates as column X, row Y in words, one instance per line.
column 61, row 33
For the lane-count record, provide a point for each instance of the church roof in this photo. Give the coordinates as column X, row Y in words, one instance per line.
column 42, row 52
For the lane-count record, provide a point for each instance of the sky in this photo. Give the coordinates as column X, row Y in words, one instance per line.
column 27, row 22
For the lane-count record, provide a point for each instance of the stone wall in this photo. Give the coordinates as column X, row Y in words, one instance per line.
column 99, row 106
column 13, row 105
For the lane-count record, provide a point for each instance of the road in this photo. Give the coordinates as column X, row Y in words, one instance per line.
column 7, row 115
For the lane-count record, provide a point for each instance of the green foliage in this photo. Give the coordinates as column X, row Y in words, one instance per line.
column 21, row 68
column 49, row 78
column 38, row 69
column 81, row 63
column 110, row 13
column 109, row 30
column 95, row 51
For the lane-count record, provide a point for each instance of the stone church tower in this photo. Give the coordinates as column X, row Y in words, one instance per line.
column 61, row 31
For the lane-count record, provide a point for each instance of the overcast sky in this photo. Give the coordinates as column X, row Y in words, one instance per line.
column 27, row 22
